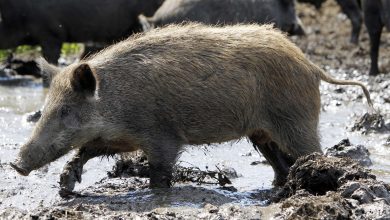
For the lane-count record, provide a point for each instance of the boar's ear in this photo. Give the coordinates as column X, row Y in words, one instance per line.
column 48, row 71
column 83, row 80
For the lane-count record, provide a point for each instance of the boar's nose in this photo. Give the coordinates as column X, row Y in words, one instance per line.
column 22, row 171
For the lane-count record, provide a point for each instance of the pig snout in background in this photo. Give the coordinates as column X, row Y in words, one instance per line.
column 217, row 12
column 316, row 3
column 376, row 16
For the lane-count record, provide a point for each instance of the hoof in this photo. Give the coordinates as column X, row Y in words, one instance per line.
column 68, row 194
column 69, row 177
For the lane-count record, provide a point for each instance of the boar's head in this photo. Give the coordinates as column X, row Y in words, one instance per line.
column 67, row 117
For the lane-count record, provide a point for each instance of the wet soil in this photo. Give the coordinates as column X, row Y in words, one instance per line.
column 322, row 187
column 344, row 148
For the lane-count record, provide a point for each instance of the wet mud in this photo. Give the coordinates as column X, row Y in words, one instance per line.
column 136, row 165
column 344, row 148
column 322, row 187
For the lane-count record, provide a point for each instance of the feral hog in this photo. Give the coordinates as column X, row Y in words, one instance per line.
column 225, row 12
column 179, row 85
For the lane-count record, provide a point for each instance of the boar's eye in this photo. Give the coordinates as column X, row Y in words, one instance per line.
column 65, row 111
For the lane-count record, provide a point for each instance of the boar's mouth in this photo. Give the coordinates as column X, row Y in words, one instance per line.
column 20, row 170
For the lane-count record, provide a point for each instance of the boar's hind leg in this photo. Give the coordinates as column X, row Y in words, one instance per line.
column 73, row 168
column 285, row 143
column 280, row 161
column 162, row 157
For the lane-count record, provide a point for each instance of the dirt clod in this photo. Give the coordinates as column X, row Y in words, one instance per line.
column 138, row 167
column 318, row 174
column 371, row 123
column 345, row 149
column 322, row 187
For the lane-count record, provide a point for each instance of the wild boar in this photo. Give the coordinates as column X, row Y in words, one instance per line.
column 182, row 85
column 222, row 12
column 51, row 23
column 376, row 16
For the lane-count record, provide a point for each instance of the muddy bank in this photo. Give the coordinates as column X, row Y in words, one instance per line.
column 318, row 187
column 113, row 198
column 322, row 187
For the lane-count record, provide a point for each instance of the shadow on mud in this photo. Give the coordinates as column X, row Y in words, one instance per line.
column 111, row 196
column 149, row 199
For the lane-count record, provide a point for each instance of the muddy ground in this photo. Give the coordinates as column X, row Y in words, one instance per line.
column 327, row 44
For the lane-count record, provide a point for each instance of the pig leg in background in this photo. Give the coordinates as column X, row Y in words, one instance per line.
column 352, row 9
column 73, row 169
column 280, row 161
column 372, row 19
column 51, row 52
column 162, row 158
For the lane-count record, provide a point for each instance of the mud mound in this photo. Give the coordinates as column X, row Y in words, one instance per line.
column 322, row 187
column 129, row 165
column 331, row 206
column 137, row 166
column 371, row 123
column 318, row 174
column 345, row 149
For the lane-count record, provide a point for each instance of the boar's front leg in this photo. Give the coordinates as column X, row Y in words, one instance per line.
column 74, row 168
column 162, row 157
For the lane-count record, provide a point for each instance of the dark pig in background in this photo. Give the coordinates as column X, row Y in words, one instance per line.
column 316, row 3
column 50, row 23
column 376, row 16
column 182, row 85
column 351, row 8
column 279, row 12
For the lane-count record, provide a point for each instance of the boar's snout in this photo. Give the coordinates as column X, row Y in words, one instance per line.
column 20, row 168
column 296, row 29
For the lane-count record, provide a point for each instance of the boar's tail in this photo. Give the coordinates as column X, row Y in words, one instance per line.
column 329, row 79
column 145, row 23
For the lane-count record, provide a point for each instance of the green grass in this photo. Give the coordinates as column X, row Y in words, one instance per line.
column 70, row 48
column 67, row 49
